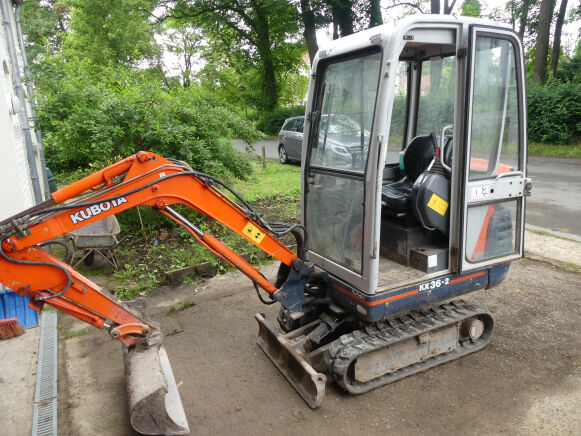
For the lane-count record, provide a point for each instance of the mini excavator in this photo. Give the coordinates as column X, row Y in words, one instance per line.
column 413, row 193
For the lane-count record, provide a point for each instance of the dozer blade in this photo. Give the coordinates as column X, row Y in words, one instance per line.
column 155, row 407
column 307, row 382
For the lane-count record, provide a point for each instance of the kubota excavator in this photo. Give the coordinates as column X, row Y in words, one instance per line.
column 413, row 193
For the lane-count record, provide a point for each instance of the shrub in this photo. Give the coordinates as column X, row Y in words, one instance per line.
column 271, row 122
column 553, row 112
column 91, row 122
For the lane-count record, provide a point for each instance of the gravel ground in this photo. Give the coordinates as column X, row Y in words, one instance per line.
column 528, row 380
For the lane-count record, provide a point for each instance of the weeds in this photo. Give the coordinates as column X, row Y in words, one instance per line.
column 180, row 306
column 75, row 334
column 274, row 192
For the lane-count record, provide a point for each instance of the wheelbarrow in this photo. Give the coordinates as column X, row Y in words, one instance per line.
column 99, row 238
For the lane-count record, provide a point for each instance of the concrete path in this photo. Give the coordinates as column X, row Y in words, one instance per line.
column 18, row 360
column 543, row 245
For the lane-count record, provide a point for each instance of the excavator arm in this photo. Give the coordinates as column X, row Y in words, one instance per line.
column 142, row 179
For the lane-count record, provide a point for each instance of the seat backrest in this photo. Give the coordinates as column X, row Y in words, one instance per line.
column 418, row 155
column 449, row 141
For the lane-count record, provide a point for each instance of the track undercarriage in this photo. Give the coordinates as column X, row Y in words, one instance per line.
column 362, row 356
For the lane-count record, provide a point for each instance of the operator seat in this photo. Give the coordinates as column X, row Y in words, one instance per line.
column 417, row 156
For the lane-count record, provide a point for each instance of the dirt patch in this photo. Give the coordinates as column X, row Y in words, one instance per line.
column 528, row 380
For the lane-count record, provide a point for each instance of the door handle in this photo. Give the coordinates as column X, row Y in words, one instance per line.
column 510, row 174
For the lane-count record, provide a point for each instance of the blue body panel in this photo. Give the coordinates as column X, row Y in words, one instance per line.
column 14, row 305
column 426, row 293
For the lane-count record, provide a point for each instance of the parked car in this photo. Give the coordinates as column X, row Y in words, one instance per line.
column 290, row 140
column 340, row 143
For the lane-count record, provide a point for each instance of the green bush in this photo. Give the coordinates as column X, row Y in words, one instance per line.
column 554, row 112
column 271, row 122
column 90, row 121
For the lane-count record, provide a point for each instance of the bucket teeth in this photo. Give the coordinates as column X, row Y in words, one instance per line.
column 155, row 406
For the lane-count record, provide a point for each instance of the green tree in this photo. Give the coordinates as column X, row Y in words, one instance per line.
column 112, row 31
column 43, row 23
column 185, row 43
column 471, row 8
column 262, row 30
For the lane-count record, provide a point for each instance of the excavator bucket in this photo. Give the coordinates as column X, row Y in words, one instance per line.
column 297, row 370
column 155, row 407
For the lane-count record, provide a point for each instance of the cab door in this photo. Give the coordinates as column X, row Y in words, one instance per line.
column 337, row 207
column 494, row 182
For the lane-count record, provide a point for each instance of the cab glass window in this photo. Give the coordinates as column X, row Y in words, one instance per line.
column 494, row 133
column 436, row 99
column 398, row 114
column 346, row 114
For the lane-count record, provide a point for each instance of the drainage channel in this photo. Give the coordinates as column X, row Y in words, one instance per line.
column 44, row 421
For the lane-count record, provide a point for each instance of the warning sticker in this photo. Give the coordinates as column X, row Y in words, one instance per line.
column 438, row 204
column 253, row 233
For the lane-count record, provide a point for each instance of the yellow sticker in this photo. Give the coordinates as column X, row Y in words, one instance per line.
column 253, row 233
column 438, row 204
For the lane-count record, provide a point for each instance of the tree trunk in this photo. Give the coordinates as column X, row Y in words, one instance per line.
column 524, row 13
column 557, row 38
column 374, row 14
column 342, row 11
column 542, row 45
column 310, row 31
column 434, row 6
column 448, row 7
column 270, row 89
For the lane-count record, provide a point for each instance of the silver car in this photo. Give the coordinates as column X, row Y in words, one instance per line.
column 290, row 140
column 342, row 139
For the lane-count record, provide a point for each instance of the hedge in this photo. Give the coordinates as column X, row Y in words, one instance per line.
column 271, row 122
column 554, row 112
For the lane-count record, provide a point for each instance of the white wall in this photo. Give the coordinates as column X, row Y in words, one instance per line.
column 16, row 193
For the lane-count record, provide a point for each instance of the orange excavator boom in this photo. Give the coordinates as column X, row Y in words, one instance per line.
column 142, row 179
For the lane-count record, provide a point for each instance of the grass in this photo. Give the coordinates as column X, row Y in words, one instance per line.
column 274, row 193
column 542, row 232
column 555, row 150
column 180, row 306
column 546, row 233
column 274, row 180
column 75, row 334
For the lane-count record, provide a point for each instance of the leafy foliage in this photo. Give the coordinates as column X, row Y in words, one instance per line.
column 112, row 31
column 471, row 8
column 553, row 111
column 43, row 23
column 92, row 122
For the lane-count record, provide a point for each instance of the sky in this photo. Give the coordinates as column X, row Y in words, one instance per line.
column 569, row 36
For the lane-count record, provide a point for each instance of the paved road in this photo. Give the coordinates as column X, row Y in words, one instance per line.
column 555, row 203
column 556, row 197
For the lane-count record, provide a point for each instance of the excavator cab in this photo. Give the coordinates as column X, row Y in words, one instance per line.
column 413, row 193
column 415, row 168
